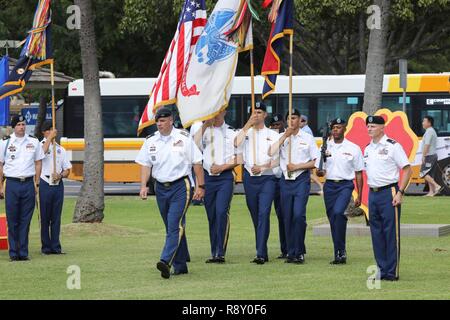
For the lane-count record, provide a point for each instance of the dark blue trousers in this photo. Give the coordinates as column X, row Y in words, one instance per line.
column 173, row 202
column 259, row 194
column 20, row 200
column 218, row 195
column 51, row 200
column 384, row 221
column 337, row 197
column 294, row 198
column 279, row 213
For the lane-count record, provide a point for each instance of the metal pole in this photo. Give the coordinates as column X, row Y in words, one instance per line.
column 252, row 74
column 291, row 49
column 52, row 77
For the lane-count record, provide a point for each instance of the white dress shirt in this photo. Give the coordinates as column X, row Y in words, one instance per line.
column 304, row 149
column 18, row 156
column 170, row 157
column 265, row 137
column 62, row 161
column 345, row 158
column 218, row 146
column 383, row 161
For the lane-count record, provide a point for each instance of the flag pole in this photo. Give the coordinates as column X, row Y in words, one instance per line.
column 52, row 77
column 252, row 76
column 291, row 49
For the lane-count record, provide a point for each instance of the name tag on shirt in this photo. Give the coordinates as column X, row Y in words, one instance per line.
column 178, row 146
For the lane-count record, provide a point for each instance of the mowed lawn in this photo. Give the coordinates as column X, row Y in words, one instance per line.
column 117, row 259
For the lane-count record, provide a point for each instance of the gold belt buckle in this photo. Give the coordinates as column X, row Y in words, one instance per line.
column 22, row 179
column 376, row 189
column 166, row 184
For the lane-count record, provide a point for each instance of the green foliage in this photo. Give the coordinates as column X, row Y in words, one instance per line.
column 117, row 259
column 134, row 35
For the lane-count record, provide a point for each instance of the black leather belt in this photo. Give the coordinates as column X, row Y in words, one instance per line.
column 337, row 181
column 168, row 184
column 377, row 189
column 20, row 179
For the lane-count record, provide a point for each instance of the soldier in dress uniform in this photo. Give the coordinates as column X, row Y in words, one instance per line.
column 169, row 155
column 383, row 160
column 298, row 152
column 277, row 124
column 344, row 163
column 253, row 142
column 51, row 190
column 20, row 163
column 216, row 140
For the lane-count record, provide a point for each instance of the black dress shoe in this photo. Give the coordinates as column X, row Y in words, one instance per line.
column 176, row 273
column 260, row 260
column 24, row 259
column 164, row 268
column 390, row 278
column 300, row 259
column 46, row 253
column 289, row 260
column 220, row 259
column 58, row 252
column 12, row 259
column 211, row 260
column 282, row 256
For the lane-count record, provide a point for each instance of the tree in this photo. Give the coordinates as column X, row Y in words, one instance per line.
column 376, row 57
column 90, row 203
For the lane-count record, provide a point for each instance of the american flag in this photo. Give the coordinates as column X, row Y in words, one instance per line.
column 190, row 26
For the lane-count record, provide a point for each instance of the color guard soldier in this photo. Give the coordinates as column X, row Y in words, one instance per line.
column 51, row 191
column 20, row 163
column 277, row 124
column 168, row 155
column 254, row 141
column 295, row 162
column 344, row 163
column 383, row 159
column 216, row 140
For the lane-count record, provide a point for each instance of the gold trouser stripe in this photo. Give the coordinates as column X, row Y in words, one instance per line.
column 397, row 239
column 181, row 232
column 227, row 233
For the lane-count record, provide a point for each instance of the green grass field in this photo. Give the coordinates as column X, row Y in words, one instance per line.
column 118, row 258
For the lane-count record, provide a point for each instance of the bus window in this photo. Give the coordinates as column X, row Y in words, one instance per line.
column 234, row 112
column 441, row 118
column 329, row 108
column 395, row 103
column 121, row 116
column 301, row 104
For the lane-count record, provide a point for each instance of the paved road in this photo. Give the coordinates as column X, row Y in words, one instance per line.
column 72, row 188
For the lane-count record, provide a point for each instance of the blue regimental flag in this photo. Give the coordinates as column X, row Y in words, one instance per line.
column 4, row 103
column 282, row 18
column 36, row 52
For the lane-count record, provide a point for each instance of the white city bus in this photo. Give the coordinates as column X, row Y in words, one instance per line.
column 318, row 97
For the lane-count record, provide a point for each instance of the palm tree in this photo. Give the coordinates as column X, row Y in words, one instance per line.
column 376, row 60
column 90, row 203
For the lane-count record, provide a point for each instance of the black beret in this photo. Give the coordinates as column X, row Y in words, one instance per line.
column 260, row 106
column 375, row 120
column 16, row 119
column 295, row 112
column 337, row 121
column 163, row 112
column 47, row 125
column 275, row 118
